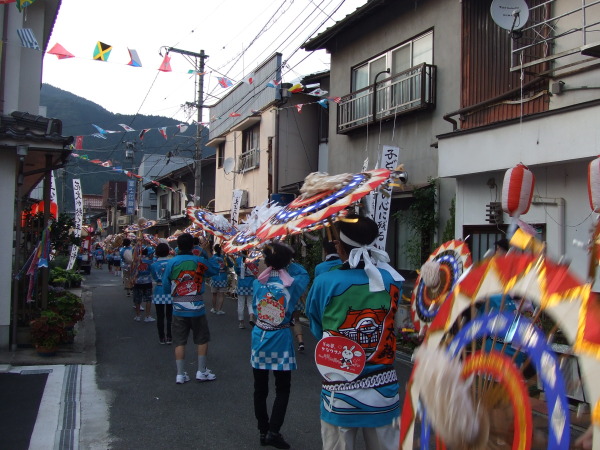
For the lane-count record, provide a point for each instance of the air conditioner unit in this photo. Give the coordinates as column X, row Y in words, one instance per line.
column 123, row 220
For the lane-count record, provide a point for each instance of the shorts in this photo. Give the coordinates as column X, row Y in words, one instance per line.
column 142, row 293
column 116, row 263
column 181, row 326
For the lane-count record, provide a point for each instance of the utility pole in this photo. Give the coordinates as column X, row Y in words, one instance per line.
column 199, row 104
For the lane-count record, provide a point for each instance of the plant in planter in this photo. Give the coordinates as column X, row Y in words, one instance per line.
column 47, row 331
column 69, row 306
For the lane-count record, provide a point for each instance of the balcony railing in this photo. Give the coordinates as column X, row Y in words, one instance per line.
column 407, row 91
column 249, row 160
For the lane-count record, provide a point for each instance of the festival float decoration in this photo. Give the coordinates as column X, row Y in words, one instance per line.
column 212, row 223
column 245, row 238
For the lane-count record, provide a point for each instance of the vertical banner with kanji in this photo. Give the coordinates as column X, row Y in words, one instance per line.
column 381, row 201
column 236, row 201
column 131, row 188
column 78, row 220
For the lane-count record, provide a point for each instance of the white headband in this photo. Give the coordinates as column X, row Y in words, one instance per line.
column 377, row 259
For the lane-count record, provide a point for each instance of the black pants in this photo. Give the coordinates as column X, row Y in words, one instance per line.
column 283, row 382
column 163, row 310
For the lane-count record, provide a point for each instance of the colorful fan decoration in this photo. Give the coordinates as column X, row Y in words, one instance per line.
column 151, row 239
column 436, row 280
column 315, row 209
column 194, row 230
column 142, row 224
column 212, row 223
column 246, row 238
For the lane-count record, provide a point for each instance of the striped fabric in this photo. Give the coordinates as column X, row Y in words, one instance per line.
column 28, row 39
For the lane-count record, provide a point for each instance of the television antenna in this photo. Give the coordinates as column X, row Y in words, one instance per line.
column 512, row 15
column 228, row 165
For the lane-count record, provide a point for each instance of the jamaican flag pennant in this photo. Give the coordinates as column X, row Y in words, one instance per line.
column 102, row 51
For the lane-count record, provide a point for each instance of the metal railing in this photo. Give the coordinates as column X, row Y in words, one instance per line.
column 249, row 160
column 407, row 91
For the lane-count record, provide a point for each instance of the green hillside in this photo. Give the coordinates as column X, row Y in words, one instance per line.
column 78, row 114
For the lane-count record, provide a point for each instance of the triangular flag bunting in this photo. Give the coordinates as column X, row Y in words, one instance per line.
column 60, row 51
column 323, row 103
column 99, row 135
column 192, row 71
column 318, row 92
column 299, row 107
column 106, row 164
column 273, row 83
column 28, row 39
column 234, row 114
column 24, row 3
column 102, row 51
column 135, row 60
column 225, row 82
column 166, row 64
column 79, row 143
column 335, row 99
column 163, row 132
column 126, row 127
column 249, row 79
column 100, row 130
column 182, row 127
column 296, row 88
column 143, row 133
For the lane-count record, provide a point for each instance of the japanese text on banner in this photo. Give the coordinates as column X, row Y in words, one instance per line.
column 380, row 207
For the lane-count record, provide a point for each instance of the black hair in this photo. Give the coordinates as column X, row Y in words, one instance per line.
column 162, row 250
column 185, row 243
column 360, row 229
column 126, row 242
column 502, row 243
column 217, row 248
column 329, row 247
column 196, row 240
column 145, row 251
column 278, row 255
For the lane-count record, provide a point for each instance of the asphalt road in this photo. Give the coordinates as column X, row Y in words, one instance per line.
column 148, row 410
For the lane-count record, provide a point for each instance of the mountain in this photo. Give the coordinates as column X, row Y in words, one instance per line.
column 78, row 114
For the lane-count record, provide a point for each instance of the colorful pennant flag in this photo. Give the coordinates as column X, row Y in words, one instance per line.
column 99, row 222
column 100, row 130
column 79, row 143
column 318, row 92
column 163, row 132
column 323, row 103
column 166, row 64
column 24, row 3
column 102, row 51
column 143, row 133
column 225, row 82
column 4, row 2
column 28, row 39
column 195, row 72
column 296, row 88
column 335, row 99
column 135, row 60
column 234, row 114
column 273, row 83
column 106, row 164
column 249, row 79
column 60, row 51
column 99, row 135
column 299, row 108
column 126, row 127
column 182, row 127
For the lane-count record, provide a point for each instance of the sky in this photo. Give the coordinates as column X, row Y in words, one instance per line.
column 237, row 35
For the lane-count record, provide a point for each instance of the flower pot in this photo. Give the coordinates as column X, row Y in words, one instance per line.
column 45, row 351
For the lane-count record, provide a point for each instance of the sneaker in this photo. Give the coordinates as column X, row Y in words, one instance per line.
column 220, row 312
column 213, row 310
column 252, row 320
column 241, row 325
column 137, row 318
column 162, row 341
column 263, row 439
column 128, row 294
column 205, row 376
column 169, row 341
column 301, row 347
column 141, row 308
column 149, row 319
column 182, row 378
column 276, row 440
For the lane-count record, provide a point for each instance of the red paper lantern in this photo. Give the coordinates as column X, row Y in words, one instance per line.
column 594, row 184
column 517, row 190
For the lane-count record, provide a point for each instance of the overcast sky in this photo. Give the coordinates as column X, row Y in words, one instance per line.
column 236, row 34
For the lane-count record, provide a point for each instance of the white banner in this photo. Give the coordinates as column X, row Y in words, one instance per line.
column 381, row 201
column 78, row 220
column 236, row 201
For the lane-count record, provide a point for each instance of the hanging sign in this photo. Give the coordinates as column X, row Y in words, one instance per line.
column 236, row 202
column 78, row 220
column 381, row 202
column 131, row 188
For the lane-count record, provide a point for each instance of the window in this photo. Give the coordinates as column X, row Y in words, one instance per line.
column 250, row 157
column 220, row 155
column 176, row 203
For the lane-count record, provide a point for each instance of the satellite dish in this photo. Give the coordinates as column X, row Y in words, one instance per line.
column 228, row 165
column 510, row 14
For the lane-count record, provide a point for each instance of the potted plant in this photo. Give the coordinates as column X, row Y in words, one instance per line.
column 47, row 331
column 69, row 306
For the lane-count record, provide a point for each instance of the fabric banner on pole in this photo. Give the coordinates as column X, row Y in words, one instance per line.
column 53, row 197
column 78, row 220
column 236, row 202
column 381, row 201
column 131, row 185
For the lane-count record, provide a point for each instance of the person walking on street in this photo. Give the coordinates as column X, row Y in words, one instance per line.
column 219, row 282
column 116, row 262
column 163, row 303
column 276, row 293
column 183, row 279
column 246, row 274
column 126, row 255
column 340, row 304
column 142, row 288
column 99, row 256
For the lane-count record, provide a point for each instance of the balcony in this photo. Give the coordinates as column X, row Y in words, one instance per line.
column 411, row 90
column 249, row 160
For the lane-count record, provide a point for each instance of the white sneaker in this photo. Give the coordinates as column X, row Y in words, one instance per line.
column 141, row 308
column 149, row 319
column 213, row 310
column 205, row 376
column 137, row 318
column 220, row 312
column 182, row 378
